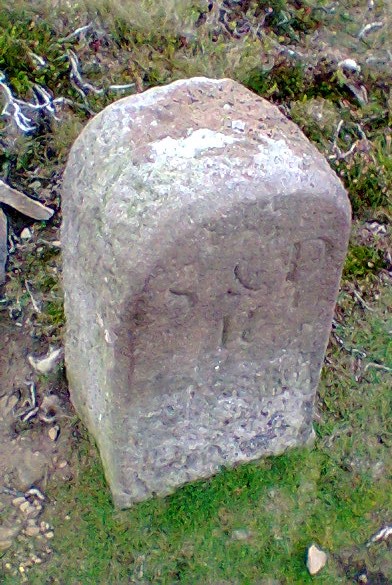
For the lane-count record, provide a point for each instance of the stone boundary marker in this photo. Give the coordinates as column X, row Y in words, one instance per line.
column 203, row 242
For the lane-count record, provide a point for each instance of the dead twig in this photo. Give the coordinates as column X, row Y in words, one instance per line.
column 362, row 302
column 350, row 151
column 17, row 108
column 23, row 122
column 341, row 341
column 121, row 87
column 32, row 409
column 33, row 301
column 84, row 87
column 338, row 154
column 382, row 534
column 361, row 354
column 33, row 397
column 76, row 33
column 361, row 133
column 377, row 367
column 27, row 415
column 3, row 244
column 368, row 28
column 35, row 492
column 76, row 77
column 331, row 9
column 39, row 61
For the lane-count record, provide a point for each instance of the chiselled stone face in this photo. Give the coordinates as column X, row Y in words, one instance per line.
column 203, row 242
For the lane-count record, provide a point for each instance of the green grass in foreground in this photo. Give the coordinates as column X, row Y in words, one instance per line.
column 252, row 523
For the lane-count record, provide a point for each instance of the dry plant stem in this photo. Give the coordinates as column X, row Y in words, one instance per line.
column 372, row 26
column 36, row 493
column 121, row 87
column 23, row 122
column 40, row 61
column 382, row 534
column 83, row 87
column 341, row 342
column 361, row 354
column 76, row 33
column 33, row 408
column 76, row 77
column 362, row 302
column 25, row 416
column 352, row 149
column 14, row 106
column 33, row 301
column 335, row 148
column 327, row 9
column 33, row 398
column 377, row 367
column 3, row 244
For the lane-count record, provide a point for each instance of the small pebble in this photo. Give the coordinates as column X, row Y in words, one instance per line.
column 32, row 530
column 18, row 501
column 24, row 506
column 34, row 512
column 25, row 234
column 316, row 559
column 49, row 534
column 63, row 464
column 241, row 534
column 54, row 433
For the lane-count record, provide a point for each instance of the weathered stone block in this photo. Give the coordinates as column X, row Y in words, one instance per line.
column 203, row 241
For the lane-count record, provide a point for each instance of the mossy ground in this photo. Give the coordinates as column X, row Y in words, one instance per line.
column 252, row 524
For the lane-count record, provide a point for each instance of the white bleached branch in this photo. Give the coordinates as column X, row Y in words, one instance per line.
column 17, row 108
column 76, row 33
column 368, row 28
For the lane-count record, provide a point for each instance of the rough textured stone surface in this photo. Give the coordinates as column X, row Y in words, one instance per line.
column 316, row 560
column 203, row 241
column 3, row 245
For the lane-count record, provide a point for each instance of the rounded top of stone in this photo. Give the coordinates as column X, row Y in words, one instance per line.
column 213, row 130
column 187, row 106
